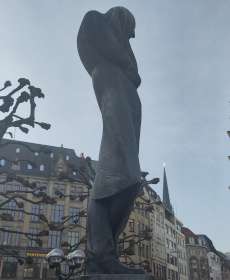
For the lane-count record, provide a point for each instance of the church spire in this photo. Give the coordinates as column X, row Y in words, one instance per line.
column 166, row 198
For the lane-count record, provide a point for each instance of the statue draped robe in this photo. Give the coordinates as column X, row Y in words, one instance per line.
column 108, row 58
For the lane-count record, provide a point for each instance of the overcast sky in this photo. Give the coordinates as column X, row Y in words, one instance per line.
column 182, row 49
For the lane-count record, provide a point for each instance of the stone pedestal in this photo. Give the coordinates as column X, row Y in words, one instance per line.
column 118, row 277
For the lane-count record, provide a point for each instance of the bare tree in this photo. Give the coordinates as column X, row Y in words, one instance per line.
column 11, row 101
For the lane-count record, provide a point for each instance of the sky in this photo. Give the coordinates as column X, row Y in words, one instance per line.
column 182, row 50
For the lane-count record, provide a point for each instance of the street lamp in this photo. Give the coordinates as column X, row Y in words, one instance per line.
column 75, row 261
column 55, row 258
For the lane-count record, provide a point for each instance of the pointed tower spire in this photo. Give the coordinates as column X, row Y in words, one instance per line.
column 166, row 198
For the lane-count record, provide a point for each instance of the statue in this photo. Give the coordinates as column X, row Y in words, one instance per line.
column 105, row 51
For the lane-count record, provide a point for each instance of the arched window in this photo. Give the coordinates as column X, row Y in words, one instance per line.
column 29, row 166
column 42, row 167
column 2, row 162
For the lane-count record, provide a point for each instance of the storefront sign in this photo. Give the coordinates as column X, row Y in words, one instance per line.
column 36, row 254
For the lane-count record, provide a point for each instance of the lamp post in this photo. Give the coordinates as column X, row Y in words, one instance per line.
column 75, row 261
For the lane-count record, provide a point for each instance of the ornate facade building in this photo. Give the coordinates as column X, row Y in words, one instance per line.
column 226, row 266
column 32, row 224
column 158, row 241
column 204, row 261
column 197, row 256
column 31, row 229
column 144, row 235
column 176, row 258
column 214, row 266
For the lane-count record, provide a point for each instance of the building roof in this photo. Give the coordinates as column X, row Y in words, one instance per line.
column 188, row 233
column 227, row 255
column 40, row 160
column 206, row 241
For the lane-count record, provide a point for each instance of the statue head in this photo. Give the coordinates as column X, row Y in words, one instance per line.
column 122, row 21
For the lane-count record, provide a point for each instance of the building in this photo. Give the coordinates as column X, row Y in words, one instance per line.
column 143, row 239
column 135, row 241
column 204, row 261
column 214, row 262
column 158, row 241
column 226, row 266
column 163, row 250
column 181, row 252
column 57, row 171
column 154, row 237
column 176, row 259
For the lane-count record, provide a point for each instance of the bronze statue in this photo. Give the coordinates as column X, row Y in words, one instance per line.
column 105, row 51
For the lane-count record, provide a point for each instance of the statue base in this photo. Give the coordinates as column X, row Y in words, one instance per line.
column 119, row 277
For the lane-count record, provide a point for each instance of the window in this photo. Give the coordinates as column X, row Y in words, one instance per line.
column 2, row 162
column 5, row 237
column 167, row 229
column 9, row 268
column 36, row 210
column 59, row 188
column 15, row 165
column 73, row 237
column 29, row 166
column 28, row 272
column 36, row 154
column 76, row 190
column 57, row 213
column 191, row 240
column 17, row 187
column 74, row 215
column 42, row 167
column 121, row 246
column 17, row 150
column 13, row 210
column 147, row 251
column 67, row 157
column 32, row 238
column 51, row 155
column 131, row 225
column 42, row 185
column 139, row 250
column 32, row 271
column 9, row 238
column 54, row 239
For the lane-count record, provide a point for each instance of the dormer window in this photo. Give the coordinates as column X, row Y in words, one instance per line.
column 2, row 162
column 42, row 167
column 51, row 155
column 29, row 166
column 191, row 240
column 67, row 157
column 17, row 150
column 36, row 154
column 15, row 165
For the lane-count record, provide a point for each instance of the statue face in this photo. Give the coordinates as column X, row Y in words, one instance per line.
column 122, row 21
column 132, row 34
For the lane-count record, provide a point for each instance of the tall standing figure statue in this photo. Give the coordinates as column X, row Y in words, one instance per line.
column 105, row 51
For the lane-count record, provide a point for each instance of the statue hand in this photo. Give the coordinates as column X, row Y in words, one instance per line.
column 133, row 76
